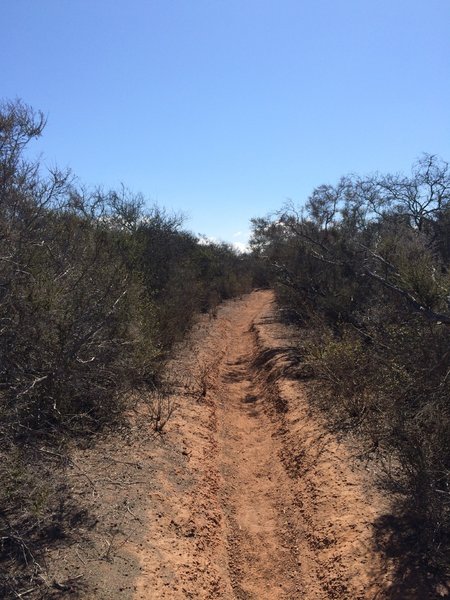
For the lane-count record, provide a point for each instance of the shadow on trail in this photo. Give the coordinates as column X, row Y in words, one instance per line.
column 235, row 376
column 397, row 537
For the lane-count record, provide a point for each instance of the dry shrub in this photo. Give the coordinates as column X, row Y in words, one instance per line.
column 364, row 270
column 161, row 406
column 94, row 291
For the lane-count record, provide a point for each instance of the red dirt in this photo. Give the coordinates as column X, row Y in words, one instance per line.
column 245, row 496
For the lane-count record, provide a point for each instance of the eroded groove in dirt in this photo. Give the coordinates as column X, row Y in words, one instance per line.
column 255, row 497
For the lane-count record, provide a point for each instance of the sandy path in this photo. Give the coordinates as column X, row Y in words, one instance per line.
column 246, row 496
column 275, row 508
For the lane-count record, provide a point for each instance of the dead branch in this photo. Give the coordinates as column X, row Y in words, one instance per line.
column 415, row 304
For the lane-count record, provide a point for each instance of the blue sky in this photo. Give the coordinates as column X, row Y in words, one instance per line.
column 223, row 109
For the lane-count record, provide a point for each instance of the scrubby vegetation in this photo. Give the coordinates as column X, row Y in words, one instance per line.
column 94, row 290
column 363, row 268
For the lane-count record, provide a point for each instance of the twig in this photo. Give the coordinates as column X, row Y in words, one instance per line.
column 124, row 462
column 22, row 594
column 80, row 557
column 72, row 462
column 132, row 513
column 121, row 483
column 66, row 586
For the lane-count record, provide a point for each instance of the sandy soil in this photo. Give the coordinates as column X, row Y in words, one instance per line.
column 245, row 496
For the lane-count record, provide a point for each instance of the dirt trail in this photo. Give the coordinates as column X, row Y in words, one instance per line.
column 278, row 509
column 245, row 497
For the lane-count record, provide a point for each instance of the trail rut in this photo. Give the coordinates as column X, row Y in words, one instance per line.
column 255, row 495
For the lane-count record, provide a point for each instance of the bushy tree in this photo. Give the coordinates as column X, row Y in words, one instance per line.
column 364, row 268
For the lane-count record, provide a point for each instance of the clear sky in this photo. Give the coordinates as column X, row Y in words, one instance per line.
column 223, row 109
